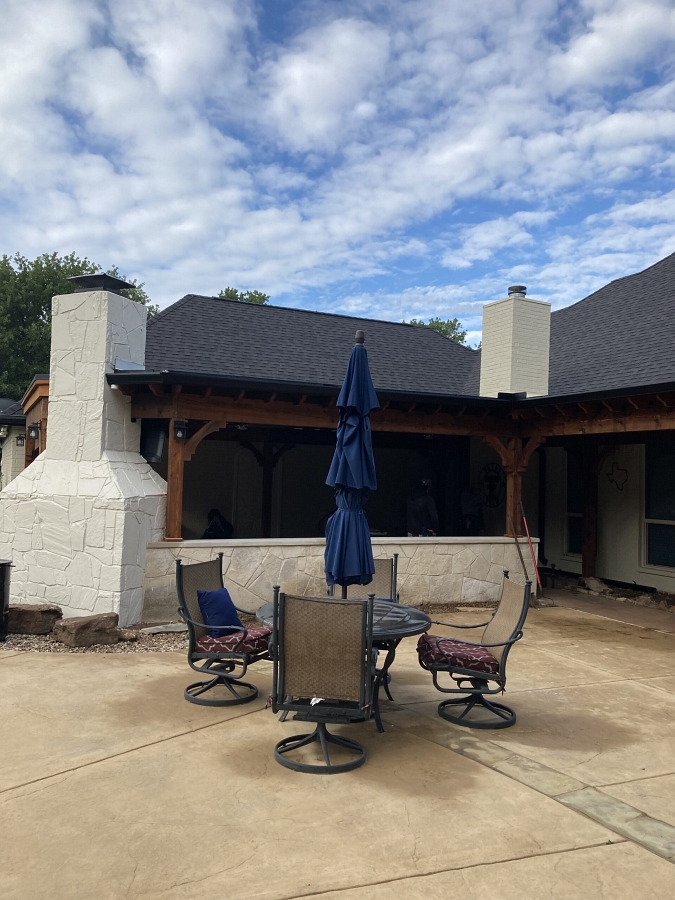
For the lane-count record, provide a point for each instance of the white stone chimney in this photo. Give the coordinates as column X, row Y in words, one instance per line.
column 76, row 522
column 515, row 345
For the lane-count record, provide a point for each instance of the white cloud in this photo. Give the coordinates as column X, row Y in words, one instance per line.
column 179, row 142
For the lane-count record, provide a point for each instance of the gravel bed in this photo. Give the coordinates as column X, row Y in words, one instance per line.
column 145, row 643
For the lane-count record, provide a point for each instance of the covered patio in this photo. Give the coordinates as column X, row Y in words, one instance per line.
column 133, row 792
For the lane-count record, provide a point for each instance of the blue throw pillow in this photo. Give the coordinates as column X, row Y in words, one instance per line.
column 218, row 609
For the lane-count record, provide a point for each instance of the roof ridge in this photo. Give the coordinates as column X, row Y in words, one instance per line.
column 615, row 281
column 314, row 312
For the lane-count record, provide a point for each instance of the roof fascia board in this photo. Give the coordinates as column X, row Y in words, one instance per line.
column 199, row 380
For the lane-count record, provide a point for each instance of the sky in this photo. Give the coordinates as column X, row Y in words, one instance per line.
column 398, row 159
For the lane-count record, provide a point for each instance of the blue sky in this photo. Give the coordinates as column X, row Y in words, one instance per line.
column 388, row 159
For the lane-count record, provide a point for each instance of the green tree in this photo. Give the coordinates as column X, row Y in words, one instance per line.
column 26, row 291
column 449, row 328
column 244, row 296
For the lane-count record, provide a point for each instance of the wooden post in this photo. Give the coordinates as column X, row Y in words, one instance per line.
column 589, row 547
column 174, row 488
column 268, row 463
column 514, row 494
column 515, row 459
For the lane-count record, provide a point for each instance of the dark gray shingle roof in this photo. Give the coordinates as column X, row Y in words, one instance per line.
column 210, row 336
column 621, row 336
column 11, row 413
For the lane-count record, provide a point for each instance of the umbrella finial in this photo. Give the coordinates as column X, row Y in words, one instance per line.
column 360, row 337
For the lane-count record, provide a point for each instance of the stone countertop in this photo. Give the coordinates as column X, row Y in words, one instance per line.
column 319, row 542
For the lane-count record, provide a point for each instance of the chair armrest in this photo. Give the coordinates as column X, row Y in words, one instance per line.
column 187, row 619
column 508, row 643
column 452, row 624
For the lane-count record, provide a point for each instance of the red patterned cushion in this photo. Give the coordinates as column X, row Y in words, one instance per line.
column 257, row 641
column 435, row 650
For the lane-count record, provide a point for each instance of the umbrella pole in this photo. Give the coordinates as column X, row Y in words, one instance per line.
column 344, row 591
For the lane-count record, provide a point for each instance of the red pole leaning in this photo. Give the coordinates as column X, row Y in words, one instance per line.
column 529, row 541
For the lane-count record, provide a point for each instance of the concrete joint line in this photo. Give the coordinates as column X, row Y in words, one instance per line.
column 631, row 823
column 96, row 762
column 432, row 872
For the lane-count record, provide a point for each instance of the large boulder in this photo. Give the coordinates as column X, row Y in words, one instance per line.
column 33, row 618
column 85, row 631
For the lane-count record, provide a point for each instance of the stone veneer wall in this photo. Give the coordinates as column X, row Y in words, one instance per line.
column 436, row 570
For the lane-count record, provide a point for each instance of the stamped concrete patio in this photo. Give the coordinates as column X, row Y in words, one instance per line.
column 112, row 786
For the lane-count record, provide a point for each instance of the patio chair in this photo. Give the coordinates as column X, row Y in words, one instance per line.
column 383, row 584
column 474, row 667
column 321, row 651
column 223, row 659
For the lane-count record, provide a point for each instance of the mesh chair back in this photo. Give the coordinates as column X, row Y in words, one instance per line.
column 206, row 576
column 383, row 584
column 322, row 649
column 508, row 618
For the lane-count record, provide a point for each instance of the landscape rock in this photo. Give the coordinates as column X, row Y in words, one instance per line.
column 171, row 628
column 33, row 618
column 126, row 634
column 596, row 585
column 85, row 631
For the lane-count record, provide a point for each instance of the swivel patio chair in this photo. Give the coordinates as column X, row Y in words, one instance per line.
column 383, row 584
column 223, row 659
column 321, row 650
column 474, row 667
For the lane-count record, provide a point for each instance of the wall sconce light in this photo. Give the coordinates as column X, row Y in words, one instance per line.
column 33, row 431
column 20, row 440
column 3, row 431
column 180, row 429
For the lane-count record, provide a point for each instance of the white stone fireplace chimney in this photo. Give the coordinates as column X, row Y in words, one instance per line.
column 75, row 523
column 515, row 345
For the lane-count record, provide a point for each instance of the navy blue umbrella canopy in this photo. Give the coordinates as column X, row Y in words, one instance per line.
column 349, row 554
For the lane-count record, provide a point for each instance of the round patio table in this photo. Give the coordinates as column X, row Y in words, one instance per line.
column 391, row 623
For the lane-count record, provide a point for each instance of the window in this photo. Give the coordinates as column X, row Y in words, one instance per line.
column 660, row 504
column 575, row 504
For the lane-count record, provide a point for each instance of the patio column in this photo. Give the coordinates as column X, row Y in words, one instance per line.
column 174, row 487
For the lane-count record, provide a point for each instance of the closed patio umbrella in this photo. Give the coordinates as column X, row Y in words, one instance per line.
column 349, row 554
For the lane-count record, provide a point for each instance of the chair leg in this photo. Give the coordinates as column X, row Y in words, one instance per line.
column 242, row 691
column 322, row 736
column 504, row 716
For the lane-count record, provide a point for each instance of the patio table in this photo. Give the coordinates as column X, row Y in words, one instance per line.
column 391, row 623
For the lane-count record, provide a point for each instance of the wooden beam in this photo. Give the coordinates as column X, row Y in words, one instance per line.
column 311, row 415
column 604, row 423
column 157, row 389
column 174, row 488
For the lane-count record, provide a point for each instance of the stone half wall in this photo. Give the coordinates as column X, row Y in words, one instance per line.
column 437, row 570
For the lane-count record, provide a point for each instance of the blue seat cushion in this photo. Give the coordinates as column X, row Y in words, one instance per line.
column 218, row 609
